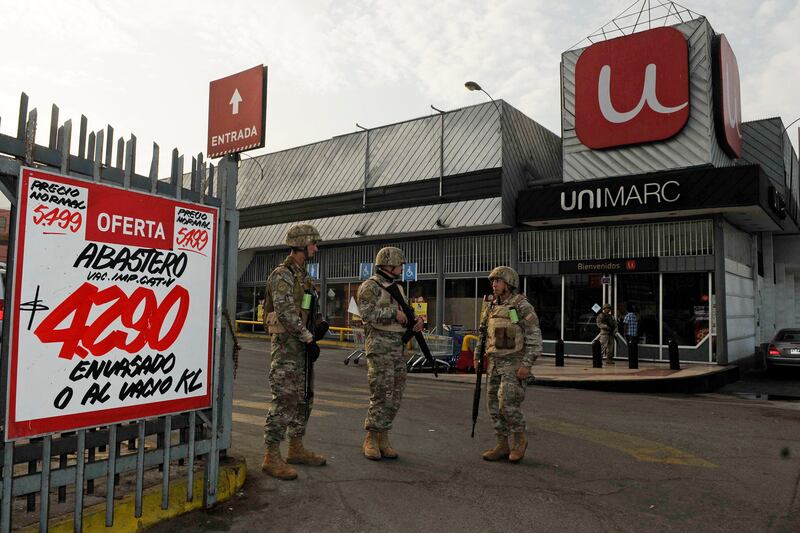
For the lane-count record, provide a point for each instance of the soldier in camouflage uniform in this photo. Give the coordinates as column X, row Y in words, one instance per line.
column 384, row 325
column 285, row 319
column 513, row 344
column 608, row 332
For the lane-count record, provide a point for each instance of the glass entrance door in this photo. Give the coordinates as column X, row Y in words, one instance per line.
column 583, row 297
column 638, row 294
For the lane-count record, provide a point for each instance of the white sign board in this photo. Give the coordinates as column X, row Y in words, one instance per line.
column 112, row 306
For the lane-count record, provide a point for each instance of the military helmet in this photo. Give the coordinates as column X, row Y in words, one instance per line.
column 507, row 274
column 301, row 235
column 390, row 256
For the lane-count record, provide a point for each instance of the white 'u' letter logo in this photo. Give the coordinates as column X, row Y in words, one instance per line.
column 648, row 97
column 731, row 101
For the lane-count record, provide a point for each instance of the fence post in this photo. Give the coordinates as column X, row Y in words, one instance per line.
column 222, row 393
column 674, row 356
column 560, row 352
column 597, row 355
column 633, row 353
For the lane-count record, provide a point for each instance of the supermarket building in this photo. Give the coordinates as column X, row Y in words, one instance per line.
column 654, row 195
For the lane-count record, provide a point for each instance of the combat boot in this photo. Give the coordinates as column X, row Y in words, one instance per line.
column 274, row 464
column 370, row 446
column 387, row 452
column 500, row 450
column 300, row 455
column 519, row 447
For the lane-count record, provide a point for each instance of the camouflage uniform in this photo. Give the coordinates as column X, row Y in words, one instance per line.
column 287, row 325
column 288, row 288
column 386, row 354
column 509, row 347
column 608, row 331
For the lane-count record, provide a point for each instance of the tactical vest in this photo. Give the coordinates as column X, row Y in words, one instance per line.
column 609, row 321
column 504, row 336
column 385, row 301
column 302, row 285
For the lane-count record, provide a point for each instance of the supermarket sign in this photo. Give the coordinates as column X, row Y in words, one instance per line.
column 112, row 306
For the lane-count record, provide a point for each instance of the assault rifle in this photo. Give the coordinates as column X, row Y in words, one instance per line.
column 394, row 292
column 318, row 327
column 476, row 398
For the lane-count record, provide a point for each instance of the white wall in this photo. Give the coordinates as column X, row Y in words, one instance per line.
column 790, row 305
column 767, row 290
column 797, row 300
column 740, row 302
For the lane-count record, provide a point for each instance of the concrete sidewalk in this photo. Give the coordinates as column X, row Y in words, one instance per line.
column 577, row 373
column 649, row 377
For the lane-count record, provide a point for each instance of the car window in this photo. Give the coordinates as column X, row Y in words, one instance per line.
column 788, row 336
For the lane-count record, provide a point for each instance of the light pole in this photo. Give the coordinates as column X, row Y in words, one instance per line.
column 473, row 86
column 366, row 167
column 441, row 149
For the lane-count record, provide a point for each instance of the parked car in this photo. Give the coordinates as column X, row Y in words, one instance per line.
column 784, row 350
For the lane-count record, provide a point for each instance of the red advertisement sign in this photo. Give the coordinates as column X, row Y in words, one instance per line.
column 633, row 89
column 727, row 98
column 237, row 108
column 113, row 306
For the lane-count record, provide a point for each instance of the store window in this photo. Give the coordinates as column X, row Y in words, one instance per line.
column 460, row 303
column 581, row 293
column 484, row 289
column 639, row 292
column 245, row 308
column 423, row 293
column 544, row 293
column 352, row 298
column 686, row 308
column 258, row 312
column 337, row 298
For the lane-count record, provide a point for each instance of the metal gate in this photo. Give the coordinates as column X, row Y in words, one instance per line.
column 91, row 462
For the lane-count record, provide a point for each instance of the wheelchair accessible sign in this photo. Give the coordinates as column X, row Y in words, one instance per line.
column 410, row 272
column 364, row 270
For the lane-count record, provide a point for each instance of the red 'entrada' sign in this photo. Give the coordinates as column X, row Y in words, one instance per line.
column 633, row 89
column 237, row 111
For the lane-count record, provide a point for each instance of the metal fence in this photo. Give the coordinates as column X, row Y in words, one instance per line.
column 92, row 461
column 684, row 238
column 343, row 262
column 476, row 253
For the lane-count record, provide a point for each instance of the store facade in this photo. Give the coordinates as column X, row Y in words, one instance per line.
column 658, row 199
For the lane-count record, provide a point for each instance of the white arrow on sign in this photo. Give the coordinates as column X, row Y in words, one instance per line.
column 236, row 99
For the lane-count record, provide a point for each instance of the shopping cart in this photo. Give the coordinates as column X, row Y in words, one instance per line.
column 358, row 341
column 441, row 347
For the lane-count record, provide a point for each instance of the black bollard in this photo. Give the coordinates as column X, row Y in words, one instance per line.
column 674, row 359
column 633, row 353
column 597, row 355
column 560, row 352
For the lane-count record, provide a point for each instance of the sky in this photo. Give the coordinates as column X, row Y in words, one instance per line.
column 144, row 66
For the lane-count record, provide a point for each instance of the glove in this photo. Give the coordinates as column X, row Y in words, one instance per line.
column 312, row 350
column 320, row 330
